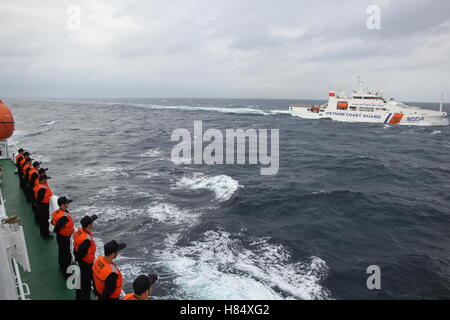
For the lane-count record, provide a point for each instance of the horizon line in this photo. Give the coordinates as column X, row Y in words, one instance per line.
column 204, row 98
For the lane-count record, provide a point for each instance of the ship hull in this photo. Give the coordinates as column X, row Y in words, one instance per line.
column 372, row 117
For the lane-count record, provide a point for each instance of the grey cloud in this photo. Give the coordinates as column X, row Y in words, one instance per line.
column 222, row 48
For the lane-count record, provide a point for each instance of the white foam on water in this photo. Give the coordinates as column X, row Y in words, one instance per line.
column 108, row 214
column 109, row 192
column 99, row 244
column 248, row 110
column 436, row 132
column 226, row 109
column 223, row 186
column 161, row 212
column 130, row 270
column 112, row 191
column 298, row 116
column 151, row 174
column 102, row 171
column 169, row 213
column 274, row 112
column 50, row 123
column 220, row 267
column 152, row 153
column 40, row 158
column 200, row 108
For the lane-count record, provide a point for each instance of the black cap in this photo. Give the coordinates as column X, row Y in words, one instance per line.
column 20, row 150
column 27, row 154
column 87, row 220
column 143, row 283
column 42, row 170
column 36, row 164
column 64, row 200
column 112, row 247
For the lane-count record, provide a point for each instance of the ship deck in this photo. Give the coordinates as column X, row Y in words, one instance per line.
column 44, row 280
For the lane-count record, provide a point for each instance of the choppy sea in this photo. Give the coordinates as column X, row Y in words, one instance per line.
column 347, row 196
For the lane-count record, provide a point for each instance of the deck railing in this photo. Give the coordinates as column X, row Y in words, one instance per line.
column 13, row 249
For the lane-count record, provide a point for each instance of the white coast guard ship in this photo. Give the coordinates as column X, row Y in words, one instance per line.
column 367, row 106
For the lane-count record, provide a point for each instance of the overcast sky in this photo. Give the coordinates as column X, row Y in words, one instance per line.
column 229, row 49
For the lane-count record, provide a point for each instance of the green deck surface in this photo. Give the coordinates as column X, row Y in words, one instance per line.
column 44, row 280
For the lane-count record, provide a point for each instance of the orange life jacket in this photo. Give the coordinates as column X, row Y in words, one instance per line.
column 17, row 157
column 78, row 238
column 100, row 271
column 68, row 228
column 22, row 161
column 48, row 192
column 25, row 168
column 30, row 173
column 130, row 296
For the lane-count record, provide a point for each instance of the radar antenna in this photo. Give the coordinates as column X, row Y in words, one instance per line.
column 360, row 85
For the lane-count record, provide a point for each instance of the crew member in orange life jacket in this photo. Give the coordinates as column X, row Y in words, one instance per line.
column 84, row 251
column 19, row 156
column 27, row 166
column 20, row 160
column 62, row 220
column 42, row 194
column 142, row 287
column 33, row 174
column 26, row 186
column 41, row 172
column 35, row 207
column 107, row 276
column 31, row 178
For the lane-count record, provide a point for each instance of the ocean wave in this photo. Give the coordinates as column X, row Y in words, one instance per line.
column 220, row 266
column 151, row 174
column 36, row 133
column 274, row 112
column 50, row 123
column 169, row 213
column 102, row 171
column 223, row 186
column 20, row 134
column 201, row 108
column 251, row 109
column 160, row 211
column 152, row 153
column 231, row 109
column 131, row 270
column 318, row 192
column 44, row 159
column 108, row 214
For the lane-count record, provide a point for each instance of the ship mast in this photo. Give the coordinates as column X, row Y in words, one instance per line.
column 360, row 84
column 442, row 102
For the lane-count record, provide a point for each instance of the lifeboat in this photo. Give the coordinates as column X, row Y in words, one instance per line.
column 342, row 105
column 6, row 121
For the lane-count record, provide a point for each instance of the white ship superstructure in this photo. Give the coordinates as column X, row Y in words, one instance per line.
column 367, row 106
